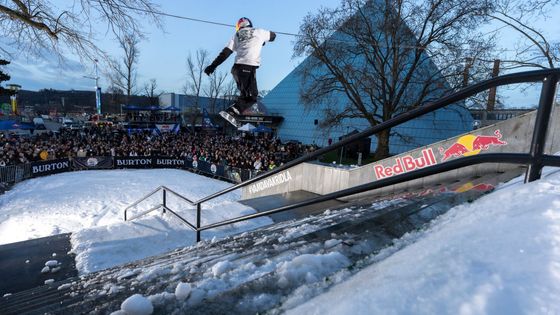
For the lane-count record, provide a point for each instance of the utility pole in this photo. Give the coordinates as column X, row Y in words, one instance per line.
column 97, row 88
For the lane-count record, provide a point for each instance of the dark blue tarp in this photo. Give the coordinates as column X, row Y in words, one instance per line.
column 9, row 125
column 172, row 108
column 141, row 108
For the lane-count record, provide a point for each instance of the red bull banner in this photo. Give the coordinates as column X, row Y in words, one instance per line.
column 464, row 146
column 406, row 164
column 471, row 145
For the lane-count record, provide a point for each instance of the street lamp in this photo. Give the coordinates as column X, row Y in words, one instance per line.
column 14, row 88
column 97, row 88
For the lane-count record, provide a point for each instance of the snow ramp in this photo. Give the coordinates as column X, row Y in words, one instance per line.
column 254, row 272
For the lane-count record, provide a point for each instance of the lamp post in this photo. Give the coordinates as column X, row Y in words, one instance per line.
column 14, row 88
column 97, row 88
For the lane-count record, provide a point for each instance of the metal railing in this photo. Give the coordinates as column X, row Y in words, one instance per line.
column 163, row 206
column 535, row 158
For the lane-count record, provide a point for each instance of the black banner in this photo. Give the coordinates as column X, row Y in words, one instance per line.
column 90, row 163
column 205, row 167
column 49, row 167
column 168, row 162
column 134, row 162
column 148, row 162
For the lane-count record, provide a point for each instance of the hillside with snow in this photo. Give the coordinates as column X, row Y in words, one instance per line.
column 90, row 204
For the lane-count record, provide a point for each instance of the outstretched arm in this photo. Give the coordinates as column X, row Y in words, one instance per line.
column 218, row 61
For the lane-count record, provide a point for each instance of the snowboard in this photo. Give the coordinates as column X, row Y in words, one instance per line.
column 230, row 118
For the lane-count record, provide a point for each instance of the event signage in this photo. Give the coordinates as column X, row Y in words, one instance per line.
column 270, row 182
column 149, row 162
column 165, row 162
column 165, row 128
column 94, row 162
column 134, row 162
column 406, row 164
column 50, row 167
column 205, row 167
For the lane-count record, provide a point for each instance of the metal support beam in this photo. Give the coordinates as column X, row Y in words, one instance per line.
column 538, row 142
column 198, row 208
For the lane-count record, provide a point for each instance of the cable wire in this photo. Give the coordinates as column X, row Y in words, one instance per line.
column 277, row 32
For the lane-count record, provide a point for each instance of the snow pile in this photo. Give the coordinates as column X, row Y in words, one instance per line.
column 182, row 291
column 310, row 268
column 90, row 204
column 137, row 305
column 498, row 255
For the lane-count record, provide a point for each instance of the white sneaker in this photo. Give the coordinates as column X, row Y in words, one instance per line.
column 235, row 110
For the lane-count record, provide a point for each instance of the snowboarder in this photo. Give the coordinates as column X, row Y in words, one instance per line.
column 247, row 44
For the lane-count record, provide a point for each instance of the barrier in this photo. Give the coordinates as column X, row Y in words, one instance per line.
column 15, row 173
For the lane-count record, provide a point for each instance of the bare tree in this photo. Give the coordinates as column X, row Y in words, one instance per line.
column 194, row 84
column 534, row 49
column 215, row 90
column 124, row 73
column 31, row 27
column 150, row 91
column 381, row 57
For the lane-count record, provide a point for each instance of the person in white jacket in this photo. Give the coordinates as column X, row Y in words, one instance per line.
column 247, row 43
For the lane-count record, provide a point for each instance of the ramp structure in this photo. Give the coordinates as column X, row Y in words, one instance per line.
column 232, row 275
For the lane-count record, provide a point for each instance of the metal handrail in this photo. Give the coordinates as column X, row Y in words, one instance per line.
column 179, row 195
column 508, row 158
column 141, row 199
column 535, row 159
column 523, row 77
column 163, row 206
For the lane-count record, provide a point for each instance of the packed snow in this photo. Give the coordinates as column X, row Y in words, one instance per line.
column 498, row 255
column 90, row 204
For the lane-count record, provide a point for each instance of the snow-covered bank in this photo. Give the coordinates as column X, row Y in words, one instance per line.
column 498, row 255
column 90, row 204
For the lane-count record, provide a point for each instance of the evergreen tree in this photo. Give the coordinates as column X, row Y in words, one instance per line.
column 4, row 77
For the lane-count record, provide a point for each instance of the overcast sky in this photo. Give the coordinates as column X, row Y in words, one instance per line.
column 163, row 54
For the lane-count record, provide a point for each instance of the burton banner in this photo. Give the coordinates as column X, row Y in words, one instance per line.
column 49, row 167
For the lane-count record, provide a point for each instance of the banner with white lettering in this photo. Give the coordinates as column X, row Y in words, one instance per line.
column 168, row 162
column 148, row 162
column 49, row 167
column 94, row 162
column 133, row 162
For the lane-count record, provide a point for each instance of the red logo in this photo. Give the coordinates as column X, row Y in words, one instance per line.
column 406, row 164
column 471, row 145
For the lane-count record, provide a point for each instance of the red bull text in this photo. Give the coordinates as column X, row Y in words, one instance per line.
column 406, row 164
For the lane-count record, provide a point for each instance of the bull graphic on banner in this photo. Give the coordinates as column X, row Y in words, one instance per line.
column 471, row 145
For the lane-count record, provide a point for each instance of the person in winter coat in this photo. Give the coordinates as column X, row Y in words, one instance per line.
column 247, row 43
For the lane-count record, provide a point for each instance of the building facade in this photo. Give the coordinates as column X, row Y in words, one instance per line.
column 305, row 124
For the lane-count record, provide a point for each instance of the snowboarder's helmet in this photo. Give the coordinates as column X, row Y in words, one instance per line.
column 243, row 22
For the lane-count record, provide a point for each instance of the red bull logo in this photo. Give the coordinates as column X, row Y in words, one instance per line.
column 406, row 164
column 471, row 145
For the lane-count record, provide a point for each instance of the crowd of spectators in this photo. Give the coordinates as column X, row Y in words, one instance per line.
column 242, row 151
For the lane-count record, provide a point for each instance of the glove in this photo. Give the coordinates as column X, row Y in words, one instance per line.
column 209, row 70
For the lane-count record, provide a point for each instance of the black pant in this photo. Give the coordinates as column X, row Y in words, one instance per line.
column 246, row 78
